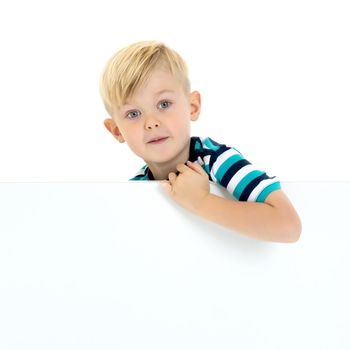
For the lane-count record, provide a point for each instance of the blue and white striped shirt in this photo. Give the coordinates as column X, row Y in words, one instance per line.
column 227, row 167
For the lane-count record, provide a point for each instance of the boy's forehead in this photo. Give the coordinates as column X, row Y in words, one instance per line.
column 160, row 81
column 151, row 93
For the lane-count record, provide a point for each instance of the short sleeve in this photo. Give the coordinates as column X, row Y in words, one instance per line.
column 243, row 180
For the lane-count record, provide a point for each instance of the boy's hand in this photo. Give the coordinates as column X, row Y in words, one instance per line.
column 190, row 187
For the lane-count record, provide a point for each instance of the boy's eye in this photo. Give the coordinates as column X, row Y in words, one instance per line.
column 132, row 114
column 135, row 113
column 164, row 104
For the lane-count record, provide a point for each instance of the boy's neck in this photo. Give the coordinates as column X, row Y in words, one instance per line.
column 162, row 170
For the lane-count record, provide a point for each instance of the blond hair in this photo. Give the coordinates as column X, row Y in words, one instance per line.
column 131, row 66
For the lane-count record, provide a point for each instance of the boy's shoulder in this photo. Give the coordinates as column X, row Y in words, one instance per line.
column 142, row 174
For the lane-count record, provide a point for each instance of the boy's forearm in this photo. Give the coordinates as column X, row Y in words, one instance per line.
column 258, row 220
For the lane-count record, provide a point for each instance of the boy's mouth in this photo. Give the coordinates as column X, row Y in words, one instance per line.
column 158, row 140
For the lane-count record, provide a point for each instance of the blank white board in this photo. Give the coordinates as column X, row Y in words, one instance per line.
column 120, row 266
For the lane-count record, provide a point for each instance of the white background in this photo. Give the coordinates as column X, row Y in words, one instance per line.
column 274, row 78
column 76, row 272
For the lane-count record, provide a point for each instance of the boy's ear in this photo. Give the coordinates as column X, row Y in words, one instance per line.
column 112, row 127
column 195, row 101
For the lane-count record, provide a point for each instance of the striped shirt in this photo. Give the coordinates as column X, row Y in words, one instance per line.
column 227, row 167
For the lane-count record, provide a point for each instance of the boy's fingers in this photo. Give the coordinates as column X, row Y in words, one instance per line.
column 196, row 166
column 181, row 167
column 172, row 177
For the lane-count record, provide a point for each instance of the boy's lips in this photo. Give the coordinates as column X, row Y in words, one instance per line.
column 158, row 139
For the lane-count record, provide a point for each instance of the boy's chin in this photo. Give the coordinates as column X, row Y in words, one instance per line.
column 164, row 159
column 159, row 161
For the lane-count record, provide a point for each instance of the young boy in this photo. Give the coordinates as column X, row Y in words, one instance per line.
column 146, row 90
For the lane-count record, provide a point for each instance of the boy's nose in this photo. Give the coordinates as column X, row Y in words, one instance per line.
column 152, row 123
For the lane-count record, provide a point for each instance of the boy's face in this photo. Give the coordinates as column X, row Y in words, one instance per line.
column 155, row 122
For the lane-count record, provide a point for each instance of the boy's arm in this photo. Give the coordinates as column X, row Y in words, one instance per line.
column 274, row 220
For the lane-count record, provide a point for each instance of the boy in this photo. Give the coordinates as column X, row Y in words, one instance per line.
column 146, row 90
